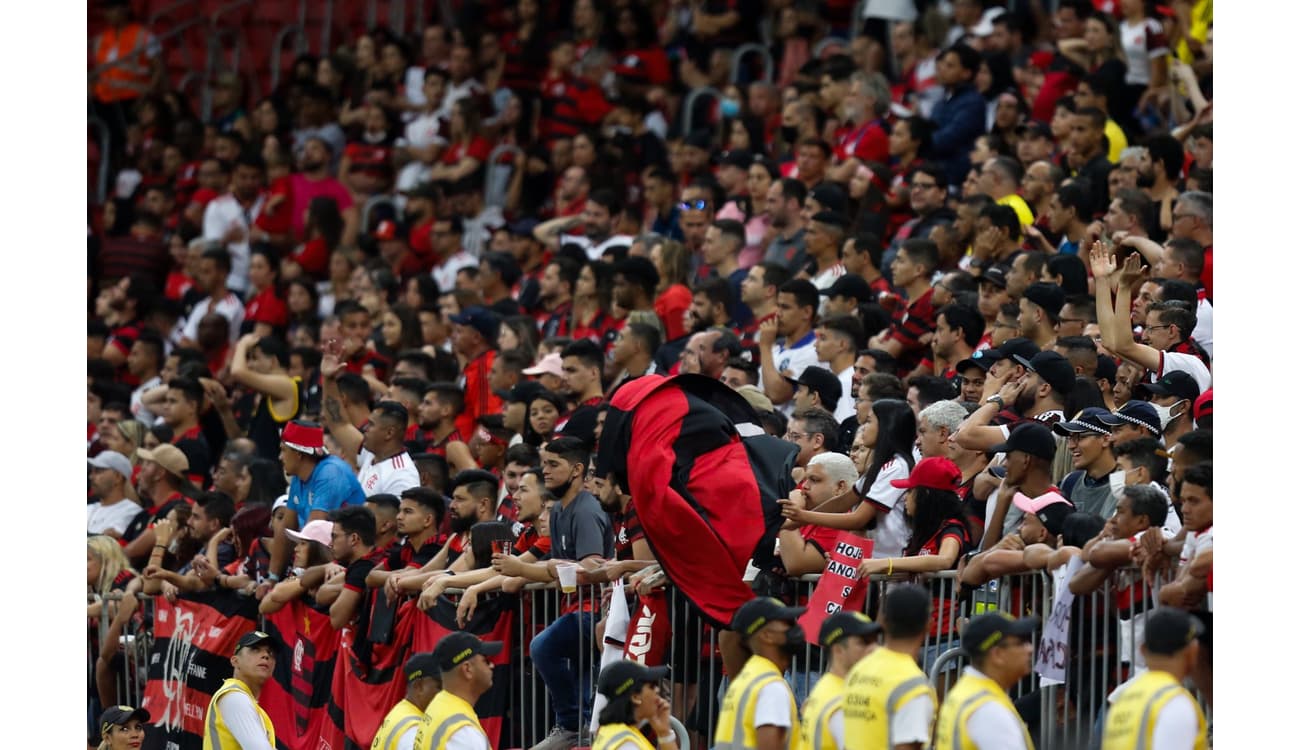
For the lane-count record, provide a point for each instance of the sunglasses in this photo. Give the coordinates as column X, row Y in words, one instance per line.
column 699, row 204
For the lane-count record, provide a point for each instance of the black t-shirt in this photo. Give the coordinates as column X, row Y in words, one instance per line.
column 403, row 555
column 355, row 579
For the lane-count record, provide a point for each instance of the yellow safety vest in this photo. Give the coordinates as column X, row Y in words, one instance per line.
column 877, row 687
column 971, row 691
column 736, row 730
column 612, row 737
column 1131, row 718
column 826, row 698
column 216, row 735
column 448, row 714
column 405, row 715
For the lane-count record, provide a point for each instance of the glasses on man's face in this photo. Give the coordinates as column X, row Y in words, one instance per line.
column 1157, row 328
column 795, row 436
column 699, row 204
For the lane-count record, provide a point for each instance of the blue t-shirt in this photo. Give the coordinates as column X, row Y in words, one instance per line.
column 332, row 485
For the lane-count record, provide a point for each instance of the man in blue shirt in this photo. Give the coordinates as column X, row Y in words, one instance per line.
column 318, row 483
column 960, row 118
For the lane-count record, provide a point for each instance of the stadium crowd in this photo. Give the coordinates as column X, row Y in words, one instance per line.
column 359, row 339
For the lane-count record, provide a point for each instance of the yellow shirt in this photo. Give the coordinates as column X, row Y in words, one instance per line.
column 875, row 690
column 1117, row 140
column 405, row 715
column 1131, row 718
column 735, row 729
column 613, row 736
column 972, row 691
column 1021, row 208
column 826, row 698
column 216, row 735
column 448, row 714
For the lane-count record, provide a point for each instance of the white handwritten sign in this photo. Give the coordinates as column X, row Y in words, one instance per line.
column 1054, row 646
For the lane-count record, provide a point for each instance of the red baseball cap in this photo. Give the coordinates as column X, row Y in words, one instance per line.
column 386, row 230
column 304, row 437
column 1203, row 406
column 937, row 473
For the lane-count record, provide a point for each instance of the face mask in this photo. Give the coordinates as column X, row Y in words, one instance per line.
column 789, row 133
column 1167, row 414
column 563, row 489
column 795, row 642
column 730, row 107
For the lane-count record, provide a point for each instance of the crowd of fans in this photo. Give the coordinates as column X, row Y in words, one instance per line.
column 358, row 338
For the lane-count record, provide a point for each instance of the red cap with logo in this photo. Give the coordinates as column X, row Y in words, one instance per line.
column 937, row 473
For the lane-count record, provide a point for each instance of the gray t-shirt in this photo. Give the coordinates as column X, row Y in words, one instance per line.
column 789, row 253
column 581, row 530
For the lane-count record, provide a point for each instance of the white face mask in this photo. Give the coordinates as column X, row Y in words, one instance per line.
column 1167, row 414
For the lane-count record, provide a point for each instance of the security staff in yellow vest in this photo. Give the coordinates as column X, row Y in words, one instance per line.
column 423, row 681
column 234, row 720
column 888, row 702
column 1154, row 710
column 633, row 698
column 758, row 710
column 847, row 637
column 466, row 675
column 977, row 713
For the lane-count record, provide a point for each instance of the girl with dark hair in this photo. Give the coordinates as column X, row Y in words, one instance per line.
column 889, row 432
column 485, row 537
column 399, row 329
column 519, row 332
column 420, row 290
column 592, row 297
column 322, row 233
column 266, row 312
column 632, row 696
column 260, row 482
column 252, row 559
column 547, row 413
column 303, row 300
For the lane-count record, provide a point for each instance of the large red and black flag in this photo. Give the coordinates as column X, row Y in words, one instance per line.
column 493, row 620
column 190, row 658
column 706, row 481
column 368, row 679
column 297, row 698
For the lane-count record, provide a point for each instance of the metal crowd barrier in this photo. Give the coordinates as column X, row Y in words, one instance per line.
column 130, row 665
column 1102, row 653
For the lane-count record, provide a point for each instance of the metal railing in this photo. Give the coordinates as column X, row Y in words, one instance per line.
column 277, row 49
column 688, row 105
column 1104, row 651
column 738, row 61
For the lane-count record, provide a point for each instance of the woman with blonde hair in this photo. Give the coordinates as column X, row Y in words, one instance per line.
column 122, row 728
column 125, row 436
column 108, row 575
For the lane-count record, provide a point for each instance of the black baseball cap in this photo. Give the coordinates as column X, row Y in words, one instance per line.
column 623, row 676
column 1015, row 347
column 1034, row 129
column 1173, row 383
column 523, row 227
column 986, row 631
column 830, row 196
column 850, row 285
column 1094, row 420
column 843, row 624
column 983, row 359
column 455, row 648
column 421, row 665
column 1033, row 438
column 756, row 613
column 1170, row 630
column 822, row 382
column 995, row 275
column 522, row 392
column 252, row 640
column 481, row 319
column 116, row 716
column 1053, row 368
column 1048, row 296
column 737, row 158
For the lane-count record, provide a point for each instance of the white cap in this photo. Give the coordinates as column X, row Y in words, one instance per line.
column 112, row 460
column 280, row 502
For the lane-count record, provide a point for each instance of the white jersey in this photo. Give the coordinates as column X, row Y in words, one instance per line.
column 892, row 533
column 392, row 476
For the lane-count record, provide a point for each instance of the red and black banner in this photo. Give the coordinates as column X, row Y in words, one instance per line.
column 297, row 697
column 190, row 658
column 493, row 620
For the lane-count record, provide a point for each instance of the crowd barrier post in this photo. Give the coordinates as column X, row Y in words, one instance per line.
column 277, row 48
column 688, row 105
column 738, row 59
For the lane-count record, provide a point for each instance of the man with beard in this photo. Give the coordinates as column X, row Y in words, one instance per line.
column 1068, row 213
column 597, row 220
column 473, row 499
column 582, row 362
column 532, row 544
column 784, row 207
column 631, row 550
column 1038, row 394
column 707, row 352
column 555, row 295
column 315, row 180
column 228, row 220
column 580, row 533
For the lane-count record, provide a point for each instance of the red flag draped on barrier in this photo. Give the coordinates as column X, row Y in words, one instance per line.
column 493, row 620
column 193, row 641
column 705, row 498
column 297, row 697
column 368, row 677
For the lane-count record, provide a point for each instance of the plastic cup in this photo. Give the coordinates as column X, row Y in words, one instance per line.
column 498, row 547
column 568, row 573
